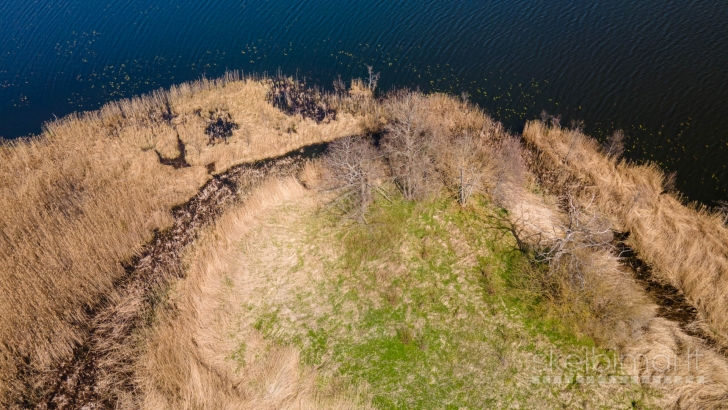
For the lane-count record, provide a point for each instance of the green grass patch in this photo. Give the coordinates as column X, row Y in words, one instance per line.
column 430, row 306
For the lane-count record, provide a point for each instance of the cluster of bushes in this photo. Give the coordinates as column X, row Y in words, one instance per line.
column 428, row 146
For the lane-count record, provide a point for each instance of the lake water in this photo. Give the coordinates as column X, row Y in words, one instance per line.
column 658, row 70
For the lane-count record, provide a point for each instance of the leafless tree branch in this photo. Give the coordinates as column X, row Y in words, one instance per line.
column 373, row 79
column 614, row 145
column 353, row 168
column 583, row 230
column 723, row 209
column 406, row 145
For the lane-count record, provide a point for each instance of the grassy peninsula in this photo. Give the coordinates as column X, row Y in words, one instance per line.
column 252, row 243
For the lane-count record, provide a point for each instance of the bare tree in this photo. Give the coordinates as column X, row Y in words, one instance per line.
column 469, row 181
column 614, row 144
column 465, row 163
column 373, row 79
column 406, row 145
column 723, row 209
column 353, row 167
column 510, row 170
column 583, row 230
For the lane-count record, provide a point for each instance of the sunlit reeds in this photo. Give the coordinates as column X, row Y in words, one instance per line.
column 685, row 245
column 78, row 201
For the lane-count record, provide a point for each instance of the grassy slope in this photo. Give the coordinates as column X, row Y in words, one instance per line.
column 423, row 308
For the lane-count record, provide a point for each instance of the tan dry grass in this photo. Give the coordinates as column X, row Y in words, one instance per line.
column 610, row 306
column 200, row 355
column 686, row 246
column 613, row 307
column 80, row 199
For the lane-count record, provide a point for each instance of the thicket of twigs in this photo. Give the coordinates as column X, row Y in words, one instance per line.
column 428, row 145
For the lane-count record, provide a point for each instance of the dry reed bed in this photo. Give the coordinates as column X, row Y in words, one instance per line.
column 81, row 199
column 594, row 290
column 686, row 246
column 620, row 312
column 102, row 371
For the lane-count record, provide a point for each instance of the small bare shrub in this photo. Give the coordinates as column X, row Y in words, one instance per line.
column 723, row 209
column 353, row 168
column 614, row 145
column 373, row 79
column 584, row 229
column 553, row 121
column 406, row 145
column 466, row 164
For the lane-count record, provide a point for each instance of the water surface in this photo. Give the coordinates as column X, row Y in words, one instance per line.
column 658, row 70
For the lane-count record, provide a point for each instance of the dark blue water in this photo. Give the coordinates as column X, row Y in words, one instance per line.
column 658, row 70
